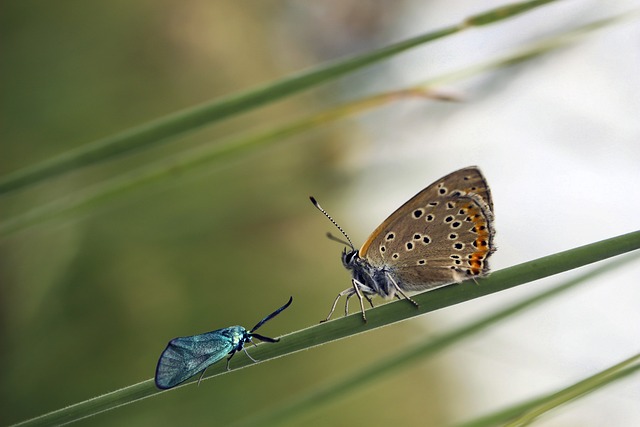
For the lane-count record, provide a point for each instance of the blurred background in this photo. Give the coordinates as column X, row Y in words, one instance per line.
column 88, row 301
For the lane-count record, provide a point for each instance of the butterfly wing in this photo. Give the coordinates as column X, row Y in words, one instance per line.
column 442, row 235
column 186, row 356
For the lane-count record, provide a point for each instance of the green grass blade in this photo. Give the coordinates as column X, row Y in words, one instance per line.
column 356, row 381
column 525, row 413
column 536, row 49
column 96, row 405
column 591, row 384
column 161, row 130
column 378, row 317
column 501, row 12
column 193, row 159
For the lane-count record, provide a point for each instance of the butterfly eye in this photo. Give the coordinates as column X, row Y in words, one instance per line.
column 349, row 257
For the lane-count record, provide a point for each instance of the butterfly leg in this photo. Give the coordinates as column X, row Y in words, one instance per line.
column 356, row 287
column 397, row 288
column 369, row 300
column 346, row 305
column 348, row 293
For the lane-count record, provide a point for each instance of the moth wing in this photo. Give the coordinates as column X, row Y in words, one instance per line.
column 186, row 356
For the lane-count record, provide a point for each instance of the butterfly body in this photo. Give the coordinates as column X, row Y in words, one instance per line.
column 371, row 279
column 184, row 357
column 443, row 235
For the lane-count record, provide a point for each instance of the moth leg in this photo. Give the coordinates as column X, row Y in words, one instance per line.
column 397, row 288
column 348, row 293
column 247, row 353
column 229, row 359
column 202, row 375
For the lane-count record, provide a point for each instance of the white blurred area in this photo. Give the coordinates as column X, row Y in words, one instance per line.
column 558, row 139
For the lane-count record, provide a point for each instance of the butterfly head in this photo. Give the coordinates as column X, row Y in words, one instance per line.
column 350, row 258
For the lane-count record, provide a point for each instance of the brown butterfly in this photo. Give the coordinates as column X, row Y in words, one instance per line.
column 442, row 235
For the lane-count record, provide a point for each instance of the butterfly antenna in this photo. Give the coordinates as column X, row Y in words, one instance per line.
column 337, row 239
column 315, row 203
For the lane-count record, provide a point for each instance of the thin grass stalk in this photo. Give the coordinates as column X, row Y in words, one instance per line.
column 322, row 396
column 196, row 158
column 525, row 413
column 162, row 130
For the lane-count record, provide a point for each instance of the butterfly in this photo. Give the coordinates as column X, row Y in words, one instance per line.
column 442, row 235
column 186, row 356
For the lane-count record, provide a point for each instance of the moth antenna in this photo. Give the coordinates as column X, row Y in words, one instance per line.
column 269, row 317
column 315, row 203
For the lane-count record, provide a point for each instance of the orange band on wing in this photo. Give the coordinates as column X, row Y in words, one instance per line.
column 482, row 241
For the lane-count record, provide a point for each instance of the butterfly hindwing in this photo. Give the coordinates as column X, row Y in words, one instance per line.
column 441, row 235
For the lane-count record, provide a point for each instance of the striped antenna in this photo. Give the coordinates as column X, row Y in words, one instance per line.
column 315, row 203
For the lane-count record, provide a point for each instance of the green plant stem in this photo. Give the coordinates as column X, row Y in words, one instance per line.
column 378, row 317
column 320, row 396
column 173, row 125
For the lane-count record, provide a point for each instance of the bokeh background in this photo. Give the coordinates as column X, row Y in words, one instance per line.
column 89, row 300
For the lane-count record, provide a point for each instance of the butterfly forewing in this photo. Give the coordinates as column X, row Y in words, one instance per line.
column 442, row 235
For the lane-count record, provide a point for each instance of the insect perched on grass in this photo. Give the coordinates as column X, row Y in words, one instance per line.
column 186, row 356
column 442, row 235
